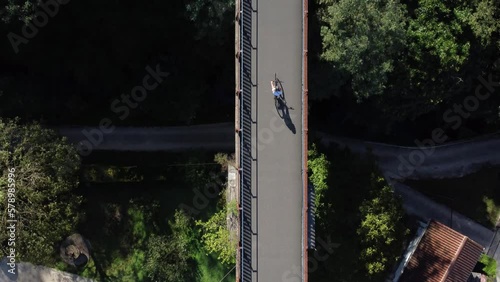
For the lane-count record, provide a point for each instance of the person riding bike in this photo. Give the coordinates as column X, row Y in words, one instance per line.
column 276, row 89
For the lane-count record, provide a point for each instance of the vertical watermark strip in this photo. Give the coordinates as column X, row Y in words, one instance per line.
column 11, row 221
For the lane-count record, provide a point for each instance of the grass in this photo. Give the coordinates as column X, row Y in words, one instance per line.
column 476, row 195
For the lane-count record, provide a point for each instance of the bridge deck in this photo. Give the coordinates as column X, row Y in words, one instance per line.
column 277, row 142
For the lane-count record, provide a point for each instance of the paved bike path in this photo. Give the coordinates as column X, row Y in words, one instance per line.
column 277, row 178
column 218, row 136
column 450, row 160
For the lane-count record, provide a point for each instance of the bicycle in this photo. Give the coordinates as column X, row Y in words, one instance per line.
column 279, row 96
column 277, row 89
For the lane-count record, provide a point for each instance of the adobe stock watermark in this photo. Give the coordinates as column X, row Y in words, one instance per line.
column 47, row 10
column 325, row 250
column 11, row 214
column 121, row 107
column 454, row 118
column 266, row 135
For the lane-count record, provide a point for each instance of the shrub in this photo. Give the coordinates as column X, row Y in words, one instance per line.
column 490, row 265
column 492, row 210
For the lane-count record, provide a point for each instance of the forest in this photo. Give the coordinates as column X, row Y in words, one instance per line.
column 386, row 70
column 393, row 71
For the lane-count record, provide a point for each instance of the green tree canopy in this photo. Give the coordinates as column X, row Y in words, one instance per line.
column 436, row 31
column 362, row 215
column 381, row 228
column 363, row 38
column 46, row 172
column 209, row 16
column 444, row 41
column 169, row 258
column 216, row 237
column 484, row 19
column 420, row 55
column 18, row 10
column 318, row 166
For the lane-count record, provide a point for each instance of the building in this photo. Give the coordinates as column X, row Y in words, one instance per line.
column 438, row 254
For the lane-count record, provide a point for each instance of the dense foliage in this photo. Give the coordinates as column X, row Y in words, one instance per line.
column 142, row 221
column 405, row 63
column 83, row 59
column 379, row 63
column 381, row 230
column 18, row 10
column 169, row 258
column 319, row 168
column 41, row 170
column 490, row 265
column 216, row 237
column 363, row 217
column 363, row 38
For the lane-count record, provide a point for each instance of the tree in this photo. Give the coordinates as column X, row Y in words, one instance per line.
column 381, row 228
column 216, row 237
column 168, row 258
column 360, row 216
column 483, row 17
column 420, row 55
column 318, row 167
column 21, row 10
column 363, row 38
column 437, row 31
column 44, row 171
column 210, row 17
column 443, row 37
column 224, row 160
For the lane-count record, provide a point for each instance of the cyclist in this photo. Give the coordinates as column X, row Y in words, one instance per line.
column 276, row 89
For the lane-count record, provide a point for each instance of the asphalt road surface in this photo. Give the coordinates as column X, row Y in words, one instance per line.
column 218, row 136
column 277, row 175
column 448, row 160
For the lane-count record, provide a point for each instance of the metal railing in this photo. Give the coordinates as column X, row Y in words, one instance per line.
column 245, row 137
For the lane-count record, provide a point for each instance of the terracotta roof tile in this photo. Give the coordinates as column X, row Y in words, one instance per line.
column 442, row 255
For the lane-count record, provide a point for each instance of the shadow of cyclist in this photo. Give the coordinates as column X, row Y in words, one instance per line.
column 288, row 120
column 284, row 113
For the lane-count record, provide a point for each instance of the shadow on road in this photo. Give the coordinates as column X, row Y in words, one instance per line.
column 284, row 112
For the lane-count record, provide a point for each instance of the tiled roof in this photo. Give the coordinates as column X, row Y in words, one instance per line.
column 442, row 255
